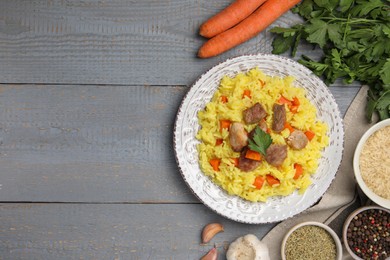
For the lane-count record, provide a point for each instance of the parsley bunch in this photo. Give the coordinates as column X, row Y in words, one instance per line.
column 354, row 36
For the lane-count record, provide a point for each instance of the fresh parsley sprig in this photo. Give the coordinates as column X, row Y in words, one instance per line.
column 261, row 141
column 354, row 36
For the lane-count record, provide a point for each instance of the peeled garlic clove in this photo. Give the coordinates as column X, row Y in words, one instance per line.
column 211, row 255
column 210, row 230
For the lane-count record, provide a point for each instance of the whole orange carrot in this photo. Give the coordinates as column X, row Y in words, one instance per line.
column 248, row 28
column 228, row 17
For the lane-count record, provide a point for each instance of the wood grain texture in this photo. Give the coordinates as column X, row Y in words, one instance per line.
column 112, row 42
column 82, row 231
column 81, row 143
column 89, row 91
column 89, row 143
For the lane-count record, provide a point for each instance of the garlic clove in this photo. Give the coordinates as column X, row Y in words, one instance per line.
column 211, row 255
column 210, row 230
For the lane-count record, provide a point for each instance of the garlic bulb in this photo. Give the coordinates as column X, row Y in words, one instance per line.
column 248, row 247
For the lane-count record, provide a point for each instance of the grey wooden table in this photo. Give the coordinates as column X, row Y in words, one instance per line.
column 89, row 92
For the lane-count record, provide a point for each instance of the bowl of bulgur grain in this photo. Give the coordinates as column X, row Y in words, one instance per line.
column 311, row 240
column 371, row 163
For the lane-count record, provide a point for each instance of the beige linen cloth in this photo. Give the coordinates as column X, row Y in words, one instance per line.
column 343, row 196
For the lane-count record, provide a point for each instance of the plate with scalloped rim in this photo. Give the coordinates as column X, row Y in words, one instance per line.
column 275, row 208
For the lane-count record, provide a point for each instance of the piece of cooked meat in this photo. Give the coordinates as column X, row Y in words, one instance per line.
column 276, row 154
column 263, row 126
column 279, row 118
column 238, row 136
column 245, row 164
column 254, row 114
column 297, row 140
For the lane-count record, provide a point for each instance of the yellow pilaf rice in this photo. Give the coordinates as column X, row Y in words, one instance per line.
column 266, row 90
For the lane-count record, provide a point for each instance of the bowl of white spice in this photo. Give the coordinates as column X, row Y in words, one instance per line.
column 311, row 240
column 371, row 163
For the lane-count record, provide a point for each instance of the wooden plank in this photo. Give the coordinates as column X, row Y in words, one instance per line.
column 81, row 143
column 112, row 42
column 89, row 143
column 113, row 231
column 344, row 96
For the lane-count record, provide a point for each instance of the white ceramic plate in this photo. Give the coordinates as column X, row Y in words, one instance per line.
column 233, row 207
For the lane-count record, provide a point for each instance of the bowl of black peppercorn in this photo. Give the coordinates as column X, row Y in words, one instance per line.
column 366, row 233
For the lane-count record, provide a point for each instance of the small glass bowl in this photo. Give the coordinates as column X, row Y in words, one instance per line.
column 336, row 239
column 348, row 222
